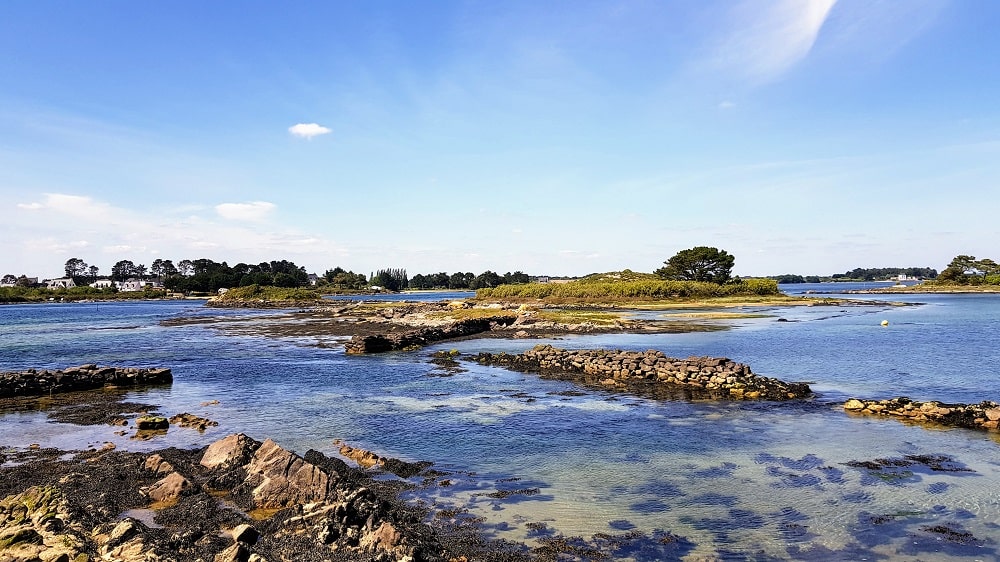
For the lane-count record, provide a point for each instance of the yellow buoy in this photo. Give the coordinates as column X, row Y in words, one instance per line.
column 885, row 322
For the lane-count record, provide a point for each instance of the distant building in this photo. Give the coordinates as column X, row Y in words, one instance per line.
column 130, row 286
column 135, row 285
column 61, row 283
column 313, row 279
column 543, row 279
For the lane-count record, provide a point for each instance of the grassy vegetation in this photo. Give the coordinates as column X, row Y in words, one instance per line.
column 24, row 294
column 578, row 316
column 475, row 313
column 268, row 293
column 629, row 287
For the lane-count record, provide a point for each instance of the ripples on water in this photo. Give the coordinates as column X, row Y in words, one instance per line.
column 740, row 480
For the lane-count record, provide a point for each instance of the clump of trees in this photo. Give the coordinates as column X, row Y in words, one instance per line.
column 391, row 279
column 205, row 275
column 340, row 278
column 701, row 263
column 967, row 270
column 469, row 280
column 792, row 278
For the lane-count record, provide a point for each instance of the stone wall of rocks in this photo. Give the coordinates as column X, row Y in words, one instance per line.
column 985, row 415
column 715, row 377
column 379, row 343
column 35, row 382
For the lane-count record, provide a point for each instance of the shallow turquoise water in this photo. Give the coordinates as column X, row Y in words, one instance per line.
column 737, row 480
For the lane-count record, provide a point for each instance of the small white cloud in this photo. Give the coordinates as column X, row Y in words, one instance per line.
column 253, row 211
column 308, row 130
column 30, row 206
column 727, row 105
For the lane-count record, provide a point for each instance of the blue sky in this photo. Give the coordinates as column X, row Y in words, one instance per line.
column 557, row 138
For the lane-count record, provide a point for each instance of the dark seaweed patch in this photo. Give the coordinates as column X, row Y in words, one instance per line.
column 715, row 499
column 723, row 471
column 649, row 506
column 621, row 525
column 898, row 471
column 938, row 488
column 794, row 480
column 721, row 528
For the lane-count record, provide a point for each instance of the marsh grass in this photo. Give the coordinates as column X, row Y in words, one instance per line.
column 645, row 289
column 474, row 313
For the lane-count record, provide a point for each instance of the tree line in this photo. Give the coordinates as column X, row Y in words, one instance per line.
column 205, row 275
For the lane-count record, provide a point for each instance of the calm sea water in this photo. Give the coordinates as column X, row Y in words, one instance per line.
column 740, row 481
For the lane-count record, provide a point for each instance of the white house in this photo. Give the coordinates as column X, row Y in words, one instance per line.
column 62, row 283
column 130, row 286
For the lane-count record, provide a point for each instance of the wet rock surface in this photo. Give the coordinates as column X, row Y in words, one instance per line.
column 696, row 377
column 34, row 382
column 985, row 415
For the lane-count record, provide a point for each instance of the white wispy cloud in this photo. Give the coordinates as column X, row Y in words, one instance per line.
column 58, row 226
column 763, row 39
column 308, row 130
column 253, row 211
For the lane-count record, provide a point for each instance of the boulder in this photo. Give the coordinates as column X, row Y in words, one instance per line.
column 151, row 422
column 385, row 537
column 246, row 534
column 156, row 464
column 278, row 478
column 229, row 452
column 170, row 488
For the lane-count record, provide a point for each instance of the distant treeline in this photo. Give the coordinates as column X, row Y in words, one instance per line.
column 861, row 274
column 208, row 276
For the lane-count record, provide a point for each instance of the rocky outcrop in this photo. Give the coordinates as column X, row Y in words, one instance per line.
column 714, row 377
column 34, row 382
column 321, row 503
column 985, row 415
column 278, row 478
column 379, row 343
column 280, row 506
